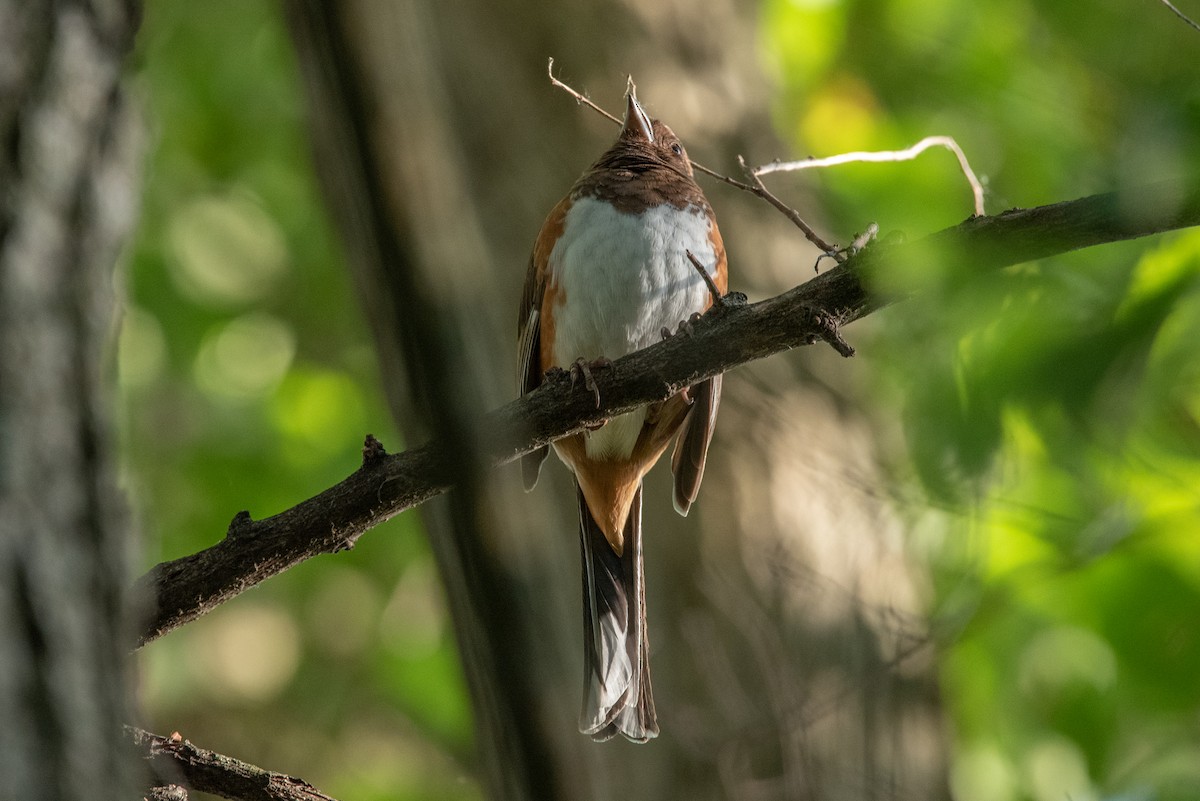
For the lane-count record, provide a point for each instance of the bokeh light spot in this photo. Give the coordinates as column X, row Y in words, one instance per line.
column 1057, row 770
column 245, row 358
column 981, row 773
column 1066, row 655
column 842, row 116
column 248, row 654
column 226, row 250
column 313, row 410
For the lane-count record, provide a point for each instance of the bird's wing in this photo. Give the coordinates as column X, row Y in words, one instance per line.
column 691, row 449
column 531, row 321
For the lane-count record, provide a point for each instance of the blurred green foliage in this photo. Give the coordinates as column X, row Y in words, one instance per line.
column 1050, row 411
column 248, row 381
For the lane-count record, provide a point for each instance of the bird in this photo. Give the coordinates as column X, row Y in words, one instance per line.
column 611, row 272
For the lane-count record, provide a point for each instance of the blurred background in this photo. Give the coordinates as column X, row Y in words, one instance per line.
column 965, row 563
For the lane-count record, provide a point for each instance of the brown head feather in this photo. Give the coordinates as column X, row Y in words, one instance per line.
column 634, row 175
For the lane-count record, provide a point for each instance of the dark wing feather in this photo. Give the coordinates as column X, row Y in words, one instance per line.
column 529, row 325
column 529, row 362
column 691, row 449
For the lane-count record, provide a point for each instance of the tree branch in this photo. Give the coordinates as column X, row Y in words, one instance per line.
column 209, row 772
column 386, row 485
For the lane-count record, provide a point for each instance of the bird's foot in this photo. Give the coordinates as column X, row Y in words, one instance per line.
column 686, row 327
column 582, row 368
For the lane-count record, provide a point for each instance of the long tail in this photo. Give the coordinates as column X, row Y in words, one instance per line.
column 616, row 681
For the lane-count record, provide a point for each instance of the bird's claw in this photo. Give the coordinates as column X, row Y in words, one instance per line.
column 582, row 368
column 686, row 327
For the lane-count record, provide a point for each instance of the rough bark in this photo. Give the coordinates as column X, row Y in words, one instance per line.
column 69, row 157
column 174, row 759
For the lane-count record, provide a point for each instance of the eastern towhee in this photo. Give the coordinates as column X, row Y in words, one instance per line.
column 609, row 271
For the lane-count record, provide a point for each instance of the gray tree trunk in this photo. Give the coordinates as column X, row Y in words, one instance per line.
column 69, row 158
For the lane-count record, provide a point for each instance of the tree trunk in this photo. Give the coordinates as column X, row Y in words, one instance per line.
column 69, row 158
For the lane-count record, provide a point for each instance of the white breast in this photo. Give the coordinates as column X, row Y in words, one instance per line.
column 623, row 277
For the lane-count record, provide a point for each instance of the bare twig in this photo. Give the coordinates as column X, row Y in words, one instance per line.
column 721, row 177
column 885, row 156
column 717, row 300
column 210, row 772
column 579, row 98
column 184, row 589
column 761, row 190
column 1180, row 14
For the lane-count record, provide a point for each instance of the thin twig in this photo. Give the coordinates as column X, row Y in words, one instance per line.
column 745, row 187
column 578, row 97
column 884, row 156
column 761, row 190
column 1180, row 14
column 717, row 299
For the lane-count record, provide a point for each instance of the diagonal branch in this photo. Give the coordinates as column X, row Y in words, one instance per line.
column 760, row 189
column 386, row 485
column 209, row 772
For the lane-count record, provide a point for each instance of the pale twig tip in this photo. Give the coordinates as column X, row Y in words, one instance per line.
column 579, row 98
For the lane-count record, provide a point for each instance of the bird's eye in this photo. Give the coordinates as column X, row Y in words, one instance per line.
column 677, row 149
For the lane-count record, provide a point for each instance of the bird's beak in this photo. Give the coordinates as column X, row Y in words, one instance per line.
column 637, row 122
